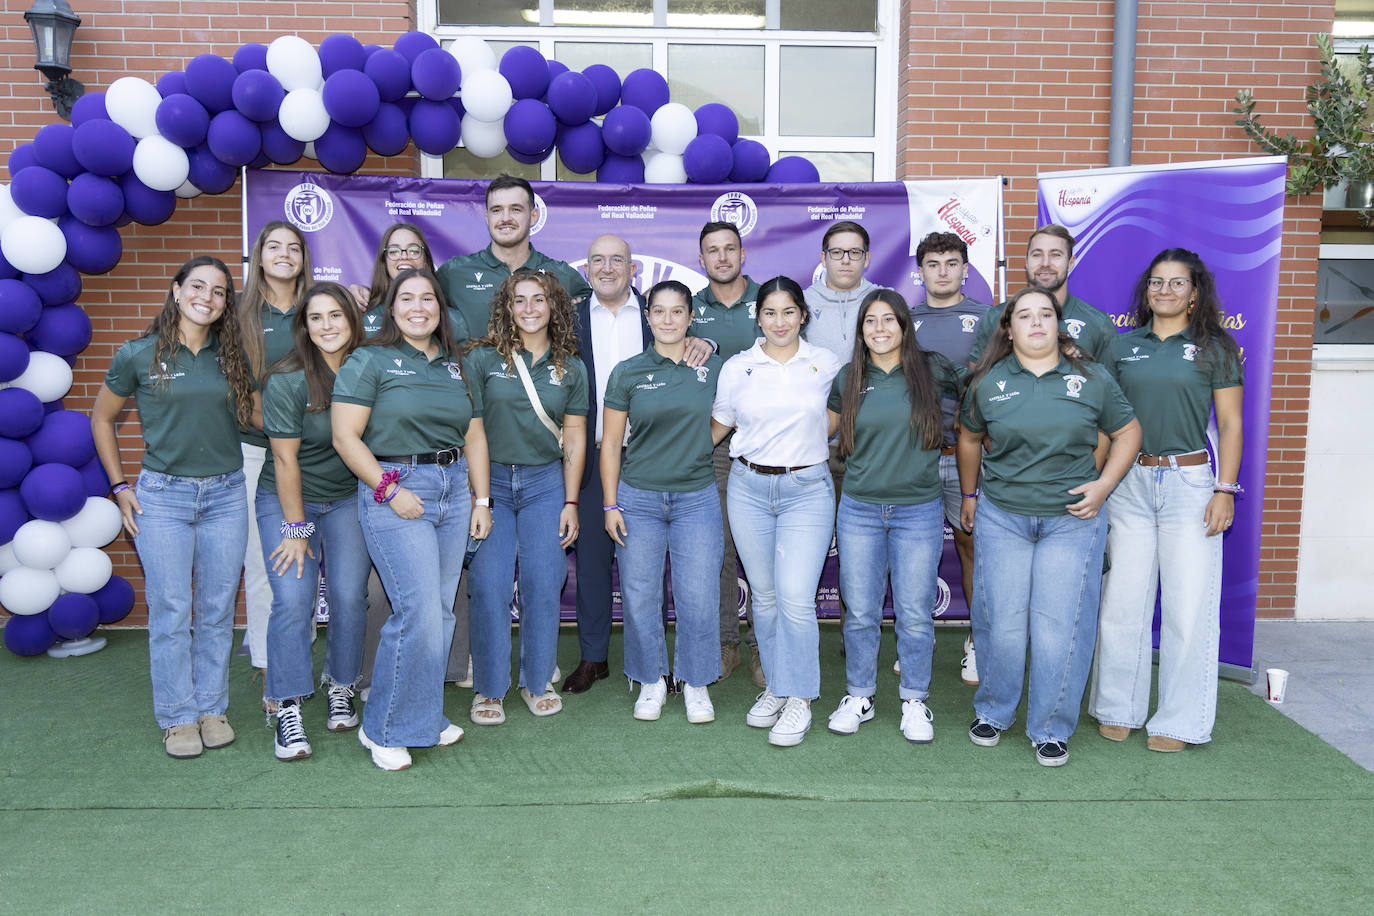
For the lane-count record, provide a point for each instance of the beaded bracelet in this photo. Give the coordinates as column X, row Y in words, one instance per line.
column 297, row 529
column 1233, row 489
column 388, row 479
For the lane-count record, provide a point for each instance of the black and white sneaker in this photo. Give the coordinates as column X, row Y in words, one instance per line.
column 1052, row 754
column 342, row 714
column 984, row 734
column 290, row 742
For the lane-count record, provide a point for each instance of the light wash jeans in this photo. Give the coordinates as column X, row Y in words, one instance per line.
column 1157, row 538
column 782, row 525
column 1036, row 579
column 686, row 526
column 722, row 463
column 339, row 535
column 526, row 501
column 905, row 542
column 257, row 591
column 190, row 540
column 419, row 561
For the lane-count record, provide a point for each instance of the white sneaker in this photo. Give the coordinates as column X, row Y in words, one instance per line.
column 916, row 719
column 897, row 667
column 451, row 735
column 290, row 742
column 385, row 758
column 850, row 714
column 765, row 711
column 649, row 706
column 792, row 725
column 466, row 679
column 698, row 703
column 968, row 667
column 343, row 715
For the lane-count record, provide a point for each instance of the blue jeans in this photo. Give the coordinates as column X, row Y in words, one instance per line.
column 686, row 526
column 418, row 561
column 526, row 501
column 905, row 542
column 338, row 534
column 1036, row 578
column 782, row 525
column 1157, row 539
column 191, row 539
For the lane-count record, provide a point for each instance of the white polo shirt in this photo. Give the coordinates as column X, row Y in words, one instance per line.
column 777, row 409
column 616, row 336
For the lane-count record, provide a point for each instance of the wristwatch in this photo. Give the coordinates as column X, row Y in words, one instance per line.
column 482, row 502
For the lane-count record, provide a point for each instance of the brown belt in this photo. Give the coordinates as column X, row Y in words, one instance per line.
column 946, row 450
column 770, row 469
column 1181, row 461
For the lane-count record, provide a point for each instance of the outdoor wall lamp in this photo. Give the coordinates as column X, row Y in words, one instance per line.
column 53, row 24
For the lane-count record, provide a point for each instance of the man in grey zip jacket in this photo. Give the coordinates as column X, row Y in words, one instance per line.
column 834, row 298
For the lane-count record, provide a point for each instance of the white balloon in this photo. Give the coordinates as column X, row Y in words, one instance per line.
column 32, row 244
column 84, row 570
column 188, row 190
column 132, row 104
column 674, row 126
column 302, row 115
column 664, row 168
column 9, row 210
column 28, row 591
column 160, row 164
column 309, row 151
column 473, row 54
column 7, row 558
column 48, row 376
column 41, row 545
column 295, row 63
column 486, row 95
column 483, row 139
column 96, row 525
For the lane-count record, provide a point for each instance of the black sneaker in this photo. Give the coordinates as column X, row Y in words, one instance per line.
column 1052, row 754
column 290, row 742
column 983, row 734
column 342, row 714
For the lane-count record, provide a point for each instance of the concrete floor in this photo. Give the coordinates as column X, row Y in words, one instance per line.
column 1330, row 679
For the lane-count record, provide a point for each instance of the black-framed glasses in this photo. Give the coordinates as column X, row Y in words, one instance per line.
column 396, row 252
column 840, row 254
column 1177, row 284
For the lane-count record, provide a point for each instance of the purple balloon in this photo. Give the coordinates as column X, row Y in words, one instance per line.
column 233, row 138
column 94, row 200
column 28, row 635
column 20, row 308
column 21, row 157
column 435, row 74
column 793, row 170
column 718, row 119
column 617, row 169
column 145, row 205
column 62, row 329
column 57, row 286
column 182, row 120
column 7, row 271
column 351, row 98
column 94, row 478
column 281, row 147
column 341, row 149
column 529, row 158
column 171, row 83
column 607, row 85
column 369, row 50
column 751, row 161
column 708, row 159
column 434, row 126
column 55, row 406
column 14, row 359
column 89, row 107
column 530, row 126
column 457, row 105
column 209, row 172
column 412, row 44
column 12, row 514
column 53, row 492
column 15, row 462
column 74, row 616
column 91, row 249
column 390, row 71
column 526, row 70
column 388, row 133
column 581, row 148
column 257, row 95
column 340, row 51
column 555, row 68
column 210, row 81
column 64, row 436
column 646, row 90
column 52, row 147
column 40, row 191
column 572, row 98
column 252, row 56
column 626, row 130
column 115, row 599
column 103, row 147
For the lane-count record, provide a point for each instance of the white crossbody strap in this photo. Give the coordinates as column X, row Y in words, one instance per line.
column 539, row 410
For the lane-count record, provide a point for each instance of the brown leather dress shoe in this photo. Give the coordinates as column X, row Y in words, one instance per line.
column 586, row 674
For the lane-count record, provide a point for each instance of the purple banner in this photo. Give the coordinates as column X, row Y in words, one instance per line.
column 1230, row 213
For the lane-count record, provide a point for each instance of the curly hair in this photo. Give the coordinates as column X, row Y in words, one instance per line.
column 1212, row 339
column 166, row 327
column 255, row 294
column 504, row 337
column 319, row 378
column 381, row 277
column 999, row 344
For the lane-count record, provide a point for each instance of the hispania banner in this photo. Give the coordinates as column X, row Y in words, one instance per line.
column 1231, row 213
column 781, row 226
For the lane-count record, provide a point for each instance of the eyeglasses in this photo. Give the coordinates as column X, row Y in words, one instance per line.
column 839, row 254
column 1176, row 284
column 598, row 261
column 396, row 252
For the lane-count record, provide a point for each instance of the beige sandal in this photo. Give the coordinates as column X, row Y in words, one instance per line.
column 546, row 704
column 487, row 710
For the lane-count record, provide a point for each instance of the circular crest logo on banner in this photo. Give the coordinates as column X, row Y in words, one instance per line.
column 738, row 208
column 543, row 212
column 309, row 207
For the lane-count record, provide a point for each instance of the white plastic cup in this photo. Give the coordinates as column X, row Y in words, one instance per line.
column 1278, row 683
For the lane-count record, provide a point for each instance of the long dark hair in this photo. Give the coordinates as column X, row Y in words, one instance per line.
column 390, row 332
column 999, row 344
column 255, row 294
column 1211, row 338
column 504, row 337
column 319, row 378
column 794, row 292
column 381, row 280
column 920, row 381
column 166, row 328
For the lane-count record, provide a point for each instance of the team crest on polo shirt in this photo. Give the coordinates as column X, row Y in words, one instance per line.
column 454, row 372
column 916, row 325
column 477, row 275
column 753, row 310
column 1074, row 384
column 702, row 373
column 1073, row 326
column 1189, row 351
column 556, row 375
column 968, row 323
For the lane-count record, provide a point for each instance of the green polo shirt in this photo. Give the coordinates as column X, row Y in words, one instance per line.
column 733, row 327
column 514, row 434
column 1091, row 328
column 669, row 407
column 372, row 323
column 889, row 466
column 418, row 405
column 469, row 281
column 1170, row 384
column 1042, row 431
column 189, row 427
column 286, row 414
column 276, row 343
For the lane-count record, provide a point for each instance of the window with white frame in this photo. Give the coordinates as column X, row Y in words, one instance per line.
column 809, row 77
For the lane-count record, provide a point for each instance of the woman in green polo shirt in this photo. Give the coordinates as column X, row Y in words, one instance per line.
column 886, row 402
column 405, row 423
column 666, row 503
column 307, row 504
column 525, row 373
column 1170, row 512
column 1039, row 535
column 187, row 513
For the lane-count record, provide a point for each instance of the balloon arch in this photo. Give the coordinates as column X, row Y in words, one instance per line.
column 130, row 152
